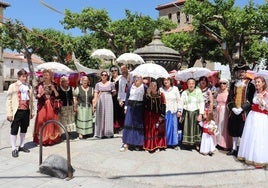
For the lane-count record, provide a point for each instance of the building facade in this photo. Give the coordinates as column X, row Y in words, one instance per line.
column 12, row 63
column 3, row 6
column 172, row 11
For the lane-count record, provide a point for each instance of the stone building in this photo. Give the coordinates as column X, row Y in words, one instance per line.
column 12, row 63
column 172, row 11
column 3, row 5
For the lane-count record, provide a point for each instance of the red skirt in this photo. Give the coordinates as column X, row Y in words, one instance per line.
column 52, row 132
column 155, row 132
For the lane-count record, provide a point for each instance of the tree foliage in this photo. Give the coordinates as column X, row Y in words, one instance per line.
column 124, row 35
column 240, row 29
column 16, row 37
column 49, row 44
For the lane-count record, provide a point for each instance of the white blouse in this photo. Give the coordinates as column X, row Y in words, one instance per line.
column 173, row 99
column 193, row 100
column 136, row 93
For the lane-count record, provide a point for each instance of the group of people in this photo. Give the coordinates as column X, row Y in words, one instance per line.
column 152, row 114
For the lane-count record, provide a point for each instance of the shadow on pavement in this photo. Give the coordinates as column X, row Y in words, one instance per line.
column 178, row 174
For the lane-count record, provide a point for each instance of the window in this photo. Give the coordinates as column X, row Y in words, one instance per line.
column 187, row 19
column 12, row 73
column 169, row 16
column 178, row 17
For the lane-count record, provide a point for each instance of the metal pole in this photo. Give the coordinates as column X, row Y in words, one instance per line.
column 70, row 172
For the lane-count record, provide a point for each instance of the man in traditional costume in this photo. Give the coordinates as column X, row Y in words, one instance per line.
column 239, row 103
column 19, row 109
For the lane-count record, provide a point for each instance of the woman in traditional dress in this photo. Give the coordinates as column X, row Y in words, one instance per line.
column 253, row 147
column 173, row 109
column 46, row 95
column 83, row 96
column 223, row 139
column 133, row 132
column 193, row 110
column 207, row 94
column 66, row 114
column 117, row 109
column 104, row 90
column 154, row 119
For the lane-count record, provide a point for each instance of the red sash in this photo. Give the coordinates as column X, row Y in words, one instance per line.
column 256, row 108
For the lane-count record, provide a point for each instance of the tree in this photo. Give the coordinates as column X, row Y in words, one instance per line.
column 233, row 28
column 17, row 37
column 54, row 45
column 121, row 36
column 45, row 43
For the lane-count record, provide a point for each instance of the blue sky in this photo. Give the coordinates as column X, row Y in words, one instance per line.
column 34, row 14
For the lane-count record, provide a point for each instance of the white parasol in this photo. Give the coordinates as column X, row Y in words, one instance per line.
column 55, row 67
column 103, row 54
column 193, row 72
column 130, row 58
column 150, row 70
column 263, row 73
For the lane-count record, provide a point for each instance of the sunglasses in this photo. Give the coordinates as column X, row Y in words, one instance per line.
column 224, row 83
column 113, row 70
column 104, row 74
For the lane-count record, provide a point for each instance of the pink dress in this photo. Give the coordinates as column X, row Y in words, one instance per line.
column 223, row 139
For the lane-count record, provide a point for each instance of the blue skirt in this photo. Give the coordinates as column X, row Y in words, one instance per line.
column 172, row 129
column 133, row 133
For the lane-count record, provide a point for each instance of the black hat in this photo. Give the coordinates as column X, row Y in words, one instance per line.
column 241, row 67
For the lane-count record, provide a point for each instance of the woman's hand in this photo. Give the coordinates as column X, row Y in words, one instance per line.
column 53, row 88
column 160, row 119
column 121, row 103
column 40, row 91
column 75, row 108
column 93, row 108
column 179, row 114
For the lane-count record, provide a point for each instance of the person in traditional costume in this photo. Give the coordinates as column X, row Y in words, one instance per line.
column 103, row 103
column 239, row 103
column 117, row 108
column 173, row 109
column 209, row 131
column 207, row 94
column 193, row 111
column 67, row 114
column 253, row 149
column 133, row 132
column 223, row 139
column 154, row 119
column 19, row 108
column 124, row 84
column 47, row 95
column 83, row 96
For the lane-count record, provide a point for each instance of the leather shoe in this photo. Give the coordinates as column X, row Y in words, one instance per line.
column 24, row 149
column 15, row 153
column 232, row 152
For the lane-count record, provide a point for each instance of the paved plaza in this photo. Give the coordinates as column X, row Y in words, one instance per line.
column 98, row 163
